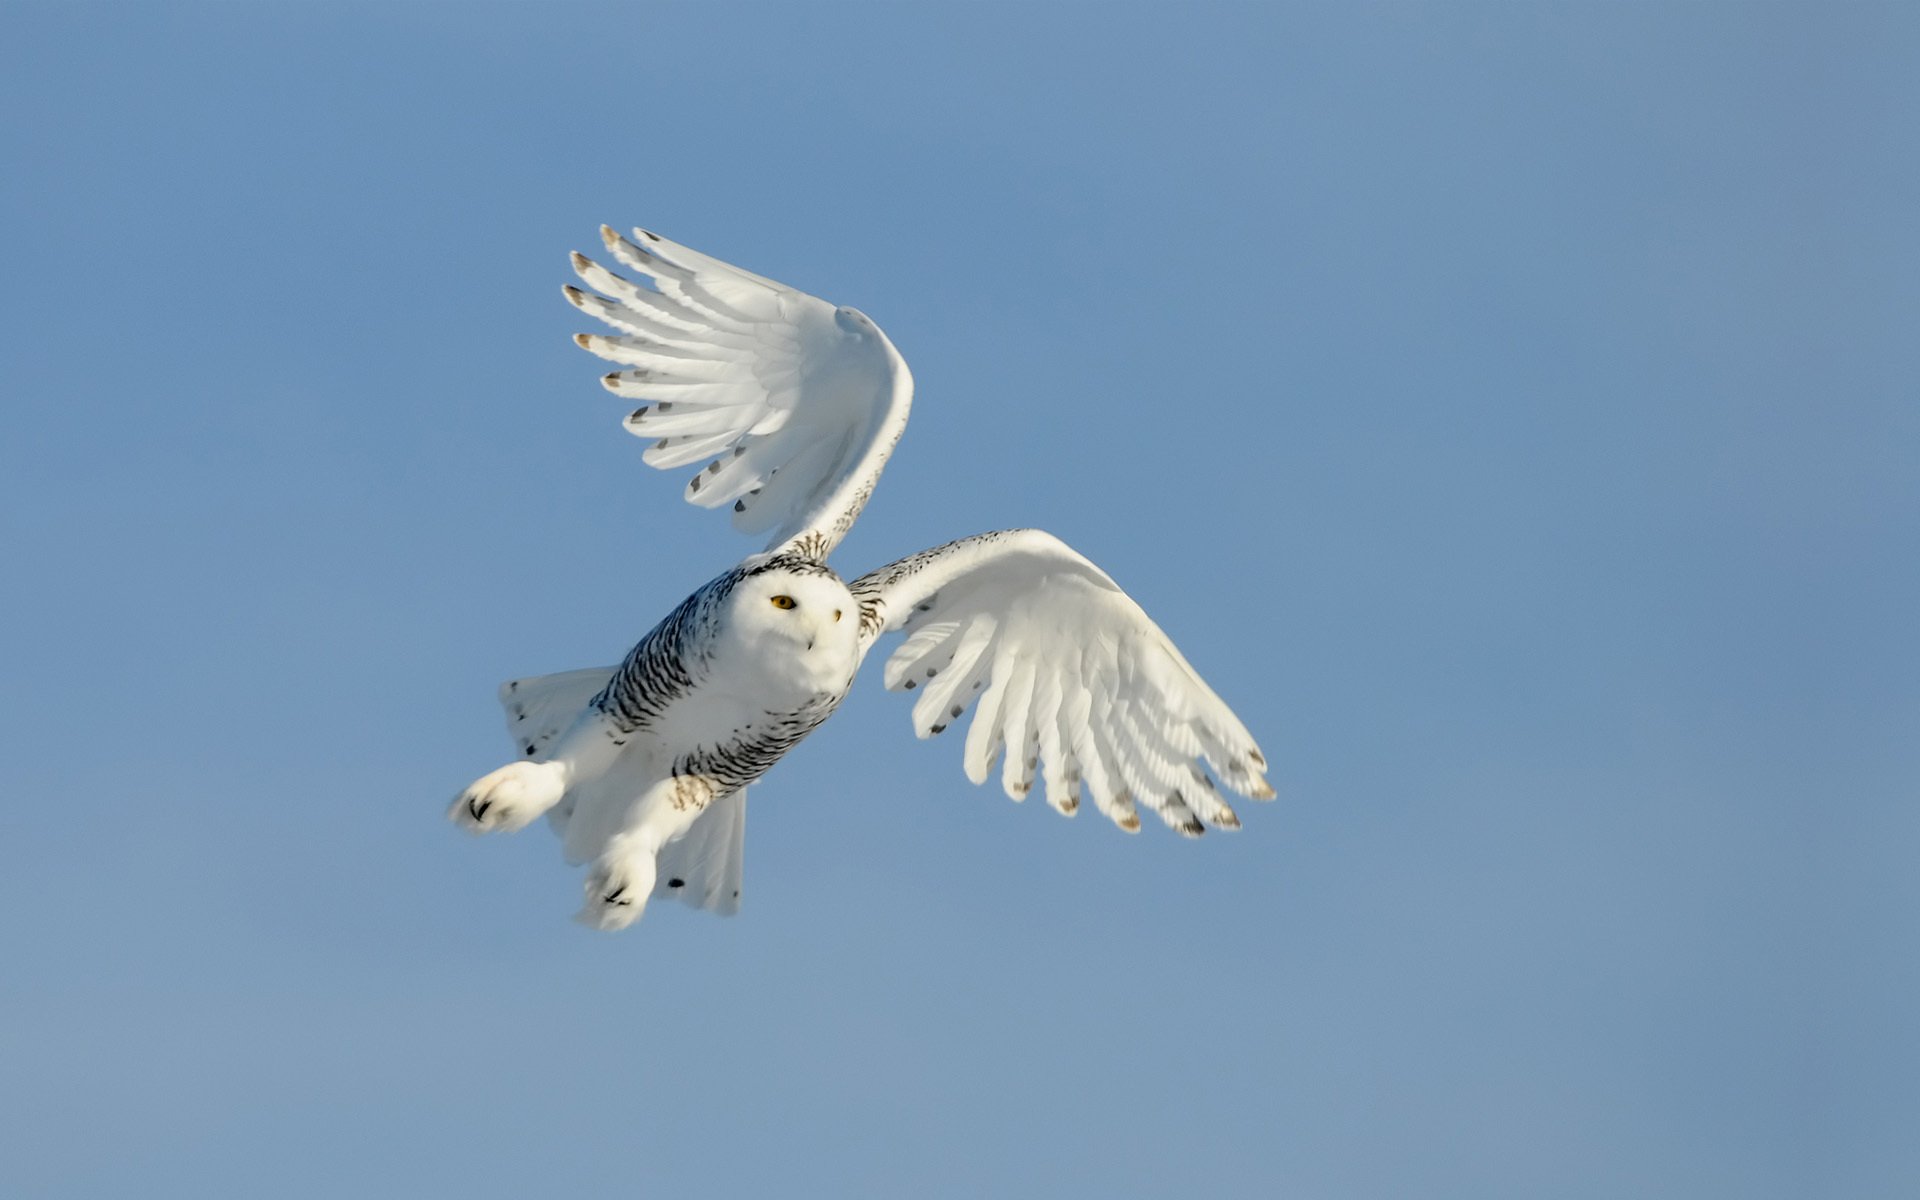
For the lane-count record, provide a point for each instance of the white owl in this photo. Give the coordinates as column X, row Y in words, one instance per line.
column 793, row 406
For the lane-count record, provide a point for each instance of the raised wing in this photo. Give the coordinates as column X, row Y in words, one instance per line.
column 1070, row 677
column 791, row 404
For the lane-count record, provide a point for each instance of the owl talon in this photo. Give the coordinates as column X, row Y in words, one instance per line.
column 618, row 887
column 509, row 798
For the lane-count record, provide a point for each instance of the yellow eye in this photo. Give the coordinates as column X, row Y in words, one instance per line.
column 783, row 601
column 836, row 614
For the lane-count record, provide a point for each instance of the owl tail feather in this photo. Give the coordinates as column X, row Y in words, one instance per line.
column 703, row 866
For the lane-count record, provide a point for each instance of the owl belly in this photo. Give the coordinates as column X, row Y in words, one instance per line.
column 732, row 738
column 753, row 704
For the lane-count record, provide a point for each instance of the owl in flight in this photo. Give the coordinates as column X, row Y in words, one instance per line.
column 792, row 406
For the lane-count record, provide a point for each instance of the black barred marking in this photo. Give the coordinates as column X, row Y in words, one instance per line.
column 794, row 561
column 655, row 672
column 872, row 588
column 670, row 662
column 812, row 546
column 736, row 764
column 676, row 883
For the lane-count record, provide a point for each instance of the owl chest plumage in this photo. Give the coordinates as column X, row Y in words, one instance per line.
column 701, row 696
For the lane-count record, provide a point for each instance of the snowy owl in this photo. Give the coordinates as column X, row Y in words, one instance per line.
column 792, row 407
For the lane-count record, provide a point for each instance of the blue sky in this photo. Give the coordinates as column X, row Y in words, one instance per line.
column 1510, row 409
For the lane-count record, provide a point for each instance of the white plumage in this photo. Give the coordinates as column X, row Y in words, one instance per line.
column 791, row 407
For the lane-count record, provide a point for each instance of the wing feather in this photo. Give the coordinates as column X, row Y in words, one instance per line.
column 986, row 736
column 952, row 678
column 688, row 448
column 1053, row 749
column 1066, row 674
column 1016, row 724
column 800, row 403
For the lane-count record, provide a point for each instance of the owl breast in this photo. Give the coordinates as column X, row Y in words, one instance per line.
column 753, row 710
column 741, row 671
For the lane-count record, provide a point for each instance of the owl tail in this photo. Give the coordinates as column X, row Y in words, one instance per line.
column 703, row 866
column 541, row 707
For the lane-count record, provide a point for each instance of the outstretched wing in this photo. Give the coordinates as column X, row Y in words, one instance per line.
column 1070, row 678
column 791, row 405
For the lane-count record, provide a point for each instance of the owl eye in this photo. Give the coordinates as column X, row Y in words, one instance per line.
column 836, row 614
column 783, row 601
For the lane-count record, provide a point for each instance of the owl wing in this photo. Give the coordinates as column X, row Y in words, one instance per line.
column 1066, row 675
column 792, row 405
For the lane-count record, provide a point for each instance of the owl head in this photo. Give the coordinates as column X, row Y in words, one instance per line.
column 796, row 603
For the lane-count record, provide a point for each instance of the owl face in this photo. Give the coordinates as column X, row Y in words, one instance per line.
column 808, row 613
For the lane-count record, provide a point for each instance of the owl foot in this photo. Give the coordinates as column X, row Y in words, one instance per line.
column 618, row 888
column 509, row 798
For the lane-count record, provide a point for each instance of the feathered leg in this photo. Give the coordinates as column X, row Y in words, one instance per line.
column 622, row 878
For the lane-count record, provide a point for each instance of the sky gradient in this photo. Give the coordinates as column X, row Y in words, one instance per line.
column 1509, row 409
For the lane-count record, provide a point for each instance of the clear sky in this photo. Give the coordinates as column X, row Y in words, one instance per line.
column 1510, row 409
